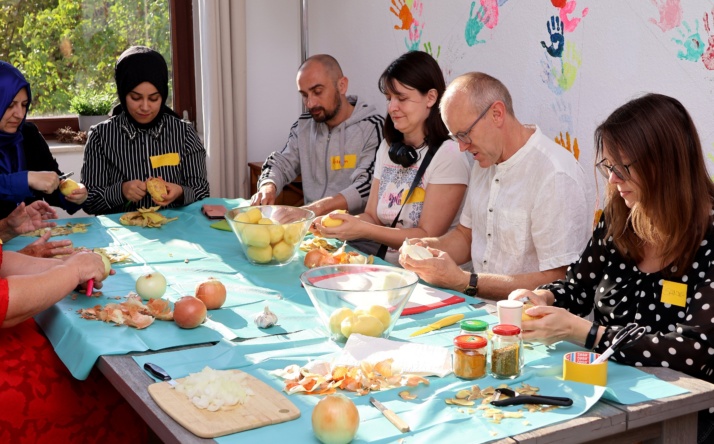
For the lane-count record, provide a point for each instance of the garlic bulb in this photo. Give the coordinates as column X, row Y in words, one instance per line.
column 415, row 251
column 265, row 319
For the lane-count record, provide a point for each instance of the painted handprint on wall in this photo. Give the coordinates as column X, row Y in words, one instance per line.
column 692, row 43
column 670, row 14
column 400, row 9
column 413, row 40
column 565, row 143
column 475, row 24
column 560, row 77
column 555, row 29
column 708, row 55
column 569, row 24
column 429, row 50
column 564, row 111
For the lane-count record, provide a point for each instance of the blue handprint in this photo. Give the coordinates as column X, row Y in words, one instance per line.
column 557, row 41
column 692, row 43
column 475, row 24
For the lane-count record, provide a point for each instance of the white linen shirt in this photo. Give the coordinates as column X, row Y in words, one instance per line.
column 529, row 213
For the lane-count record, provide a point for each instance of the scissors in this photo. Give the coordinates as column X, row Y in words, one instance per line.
column 624, row 338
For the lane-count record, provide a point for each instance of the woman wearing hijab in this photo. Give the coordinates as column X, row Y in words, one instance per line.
column 28, row 172
column 143, row 139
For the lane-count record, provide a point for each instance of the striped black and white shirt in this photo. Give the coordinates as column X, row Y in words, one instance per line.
column 118, row 152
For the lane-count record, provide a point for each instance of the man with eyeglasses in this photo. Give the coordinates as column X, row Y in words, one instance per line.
column 527, row 215
column 333, row 145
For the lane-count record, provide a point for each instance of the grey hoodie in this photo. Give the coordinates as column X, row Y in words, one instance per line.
column 331, row 162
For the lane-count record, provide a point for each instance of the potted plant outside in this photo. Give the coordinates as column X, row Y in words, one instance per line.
column 91, row 108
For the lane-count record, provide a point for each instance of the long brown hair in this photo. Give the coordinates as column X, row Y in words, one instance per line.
column 657, row 135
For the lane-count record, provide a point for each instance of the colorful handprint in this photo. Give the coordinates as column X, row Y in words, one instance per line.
column 413, row 40
column 555, row 29
column 670, row 14
column 564, row 111
column 565, row 143
column 491, row 9
column 561, row 78
column 475, row 24
column 400, row 9
column 558, row 3
column 569, row 24
column 693, row 45
column 708, row 55
column 428, row 50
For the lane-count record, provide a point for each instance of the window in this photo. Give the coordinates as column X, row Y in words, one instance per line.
column 69, row 47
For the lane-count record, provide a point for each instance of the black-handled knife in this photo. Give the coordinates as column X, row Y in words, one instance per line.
column 515, row 398
column 159, row 373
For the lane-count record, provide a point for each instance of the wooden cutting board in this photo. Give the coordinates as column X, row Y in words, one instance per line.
column 266, row 406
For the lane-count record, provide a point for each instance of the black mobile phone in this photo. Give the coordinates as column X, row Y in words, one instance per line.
column 213, row 211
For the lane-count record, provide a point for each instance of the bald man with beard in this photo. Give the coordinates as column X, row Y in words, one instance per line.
column 332, row 145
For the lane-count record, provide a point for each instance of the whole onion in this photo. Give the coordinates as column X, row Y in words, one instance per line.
column 151, row 285
column 314, row 257
column 212, row 292
column 335, row 419
column 189, row 312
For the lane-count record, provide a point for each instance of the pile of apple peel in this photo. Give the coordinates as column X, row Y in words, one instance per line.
column 62, row 230
column 320, row 378
column 469, row 398
column 146, row 217
column 131, row 312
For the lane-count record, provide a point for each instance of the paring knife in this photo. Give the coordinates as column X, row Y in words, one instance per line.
column 66, row 175
column 160, row 373
column 391, row 416
column 449, row 320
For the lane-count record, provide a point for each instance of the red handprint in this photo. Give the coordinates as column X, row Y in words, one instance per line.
column 708, row 56
column 403, row 13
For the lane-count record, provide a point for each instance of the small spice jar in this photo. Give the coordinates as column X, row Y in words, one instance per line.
column 506, row 352
column 474, row 327
column 470, row 356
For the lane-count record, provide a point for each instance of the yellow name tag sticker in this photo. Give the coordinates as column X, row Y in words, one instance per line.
column 350, row 161
column 170, row 159
column 335, row 163
column 674, row 293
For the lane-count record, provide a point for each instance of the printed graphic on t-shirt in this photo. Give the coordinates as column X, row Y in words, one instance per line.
column 393, row 189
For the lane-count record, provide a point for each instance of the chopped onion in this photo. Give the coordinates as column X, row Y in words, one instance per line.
column 212, row 389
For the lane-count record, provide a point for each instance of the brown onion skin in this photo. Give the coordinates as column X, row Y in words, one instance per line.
column 211, row 292
column 335, row 419
column 313, row 257
column 189, row 312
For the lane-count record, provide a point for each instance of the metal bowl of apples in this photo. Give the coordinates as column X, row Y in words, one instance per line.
column 270, row 234
column 364, row 299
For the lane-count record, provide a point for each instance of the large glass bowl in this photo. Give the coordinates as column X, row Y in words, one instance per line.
column 348, row 298
column 270, row 234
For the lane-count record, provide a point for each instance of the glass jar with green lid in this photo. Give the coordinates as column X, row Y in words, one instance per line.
column 474, row 327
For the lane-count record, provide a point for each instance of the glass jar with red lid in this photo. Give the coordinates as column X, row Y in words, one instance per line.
column 506, row 351
column 470, row 356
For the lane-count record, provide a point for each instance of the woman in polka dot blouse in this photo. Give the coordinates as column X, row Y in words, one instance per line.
column 651, row 257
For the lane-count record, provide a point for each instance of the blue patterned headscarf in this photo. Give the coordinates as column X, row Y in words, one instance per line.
column 12, row 157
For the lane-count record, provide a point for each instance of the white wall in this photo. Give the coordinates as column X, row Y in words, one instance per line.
column 617, row 51
column 273, row 52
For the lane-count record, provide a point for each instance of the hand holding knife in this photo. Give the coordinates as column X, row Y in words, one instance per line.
column 66, row 175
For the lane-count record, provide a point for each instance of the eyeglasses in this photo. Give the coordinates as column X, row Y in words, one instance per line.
column 621, row 171
column 463, row 136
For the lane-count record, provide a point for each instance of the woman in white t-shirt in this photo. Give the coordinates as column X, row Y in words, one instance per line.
column 413, row 85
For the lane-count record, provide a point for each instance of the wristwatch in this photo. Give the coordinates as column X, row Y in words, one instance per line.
column 472, row 288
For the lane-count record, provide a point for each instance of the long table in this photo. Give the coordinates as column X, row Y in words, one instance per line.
column 671, row 419
column 668, row 420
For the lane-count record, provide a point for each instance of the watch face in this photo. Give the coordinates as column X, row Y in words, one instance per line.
column 470, row 291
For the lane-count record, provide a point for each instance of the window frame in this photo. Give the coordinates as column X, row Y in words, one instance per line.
column 184, row 76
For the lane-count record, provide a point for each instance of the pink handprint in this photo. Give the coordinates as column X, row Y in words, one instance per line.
column 708, row 56
column 400, row 9
column 414, row 39
column 569, row 24
column 490, row 7
column 670, row 14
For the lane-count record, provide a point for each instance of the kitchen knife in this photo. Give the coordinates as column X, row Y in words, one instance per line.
column 66, row 175
column 449, row 320
column 391, row 416
column 159, row 373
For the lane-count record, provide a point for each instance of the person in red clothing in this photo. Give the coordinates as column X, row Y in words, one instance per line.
column 40, row 401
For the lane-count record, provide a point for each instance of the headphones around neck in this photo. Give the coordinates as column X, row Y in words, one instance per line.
column 403, row 154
